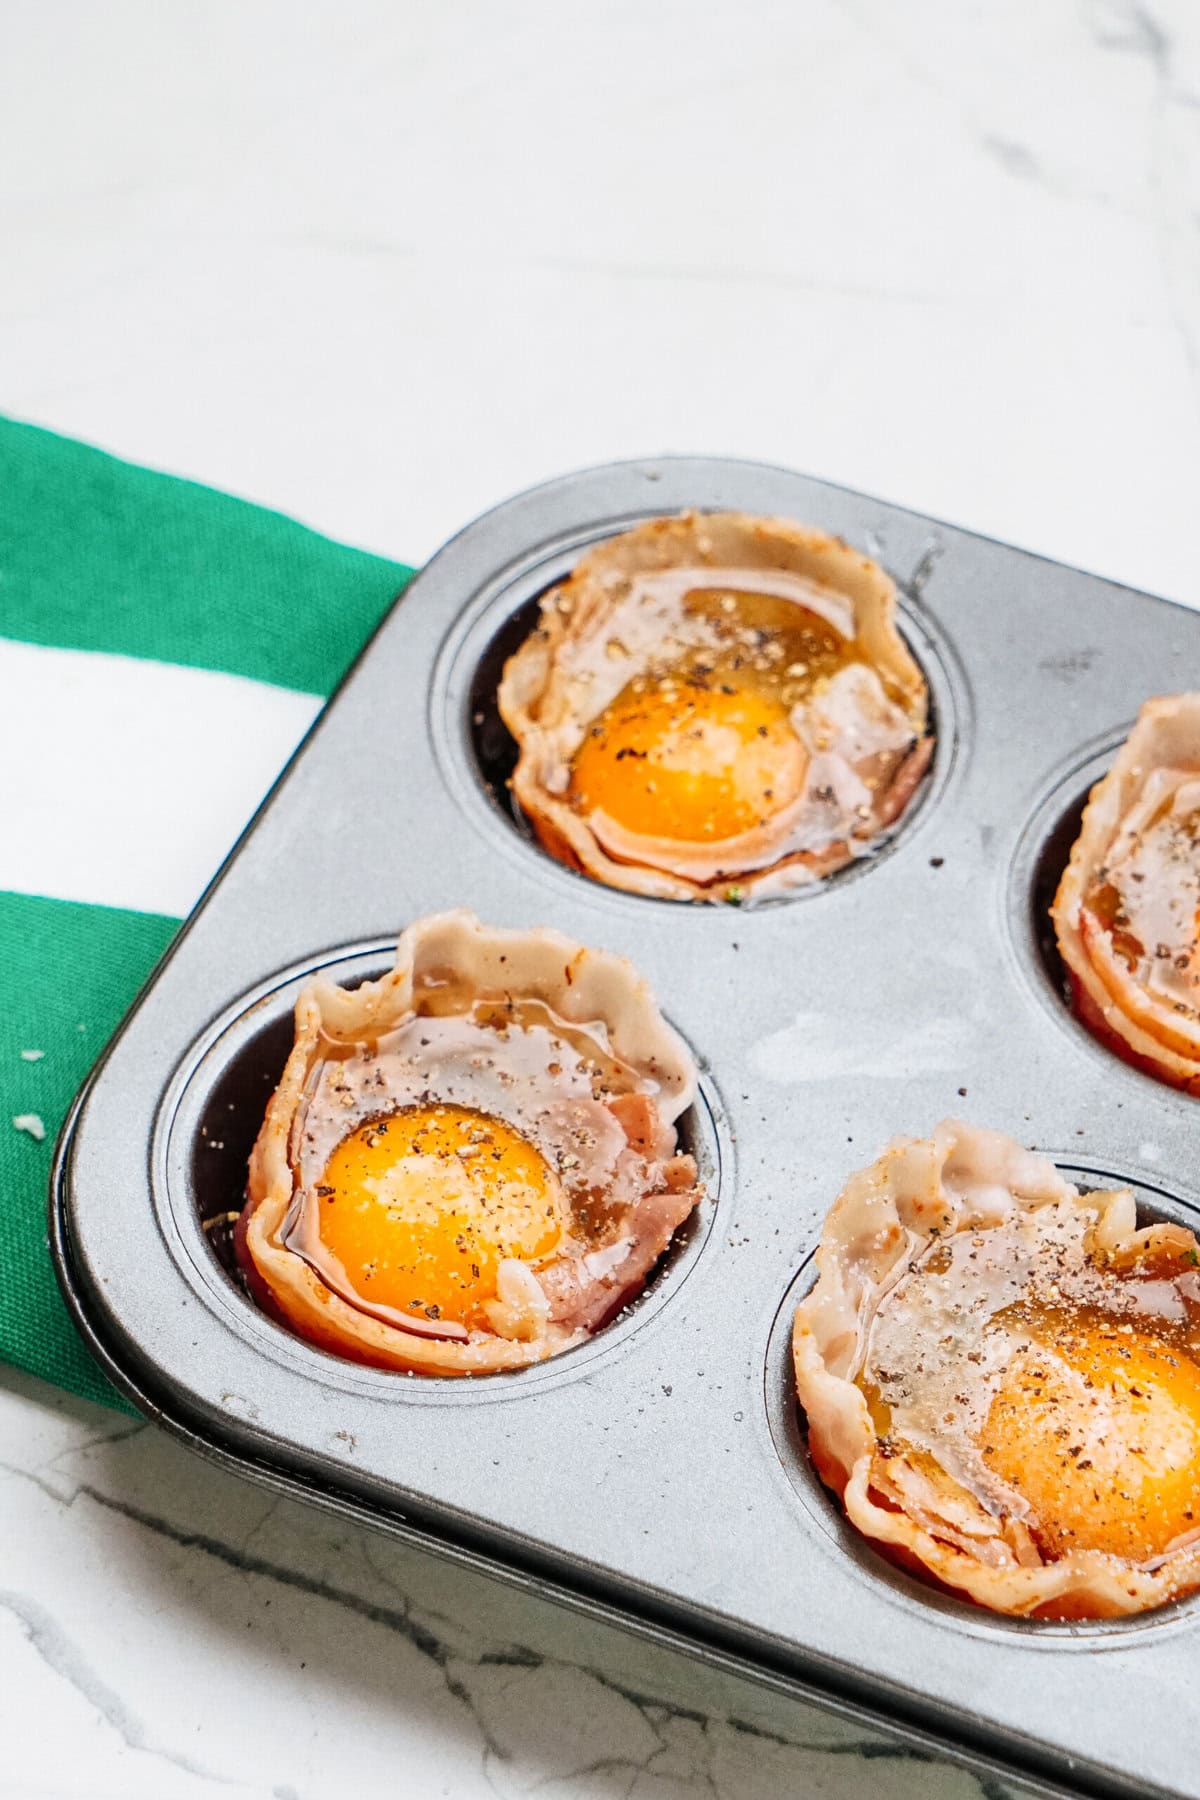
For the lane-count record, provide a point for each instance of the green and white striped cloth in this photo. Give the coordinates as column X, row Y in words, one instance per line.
column 162, row 650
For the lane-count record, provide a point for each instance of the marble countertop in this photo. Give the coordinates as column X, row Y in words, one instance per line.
column 380, row 265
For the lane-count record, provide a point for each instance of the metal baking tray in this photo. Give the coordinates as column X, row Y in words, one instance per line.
column 659, row 1473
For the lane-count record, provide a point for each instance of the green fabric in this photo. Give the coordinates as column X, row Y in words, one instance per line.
column 98, row 555
column 70, row 972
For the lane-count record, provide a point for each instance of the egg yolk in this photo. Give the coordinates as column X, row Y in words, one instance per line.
column 1101, row 1435
column 676, row 758
column 419, row 1208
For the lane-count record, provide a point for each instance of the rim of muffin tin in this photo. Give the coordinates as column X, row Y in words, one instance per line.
column 543, row 565
column 786, row 1446
column 177, row 1137
column 1039, row 857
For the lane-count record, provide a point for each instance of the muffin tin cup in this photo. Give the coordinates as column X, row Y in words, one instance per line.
column 659, row 1473
column 476, row 753
column 206, row 1128
column 786, row 1424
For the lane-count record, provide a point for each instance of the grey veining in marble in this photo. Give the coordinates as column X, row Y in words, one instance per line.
column 249, row 1644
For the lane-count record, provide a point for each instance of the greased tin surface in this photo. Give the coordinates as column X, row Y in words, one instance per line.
column 660, row 1471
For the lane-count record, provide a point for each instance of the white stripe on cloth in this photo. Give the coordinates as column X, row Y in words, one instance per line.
column 124, row 782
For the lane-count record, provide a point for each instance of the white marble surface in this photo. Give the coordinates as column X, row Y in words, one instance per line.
column 379, row 265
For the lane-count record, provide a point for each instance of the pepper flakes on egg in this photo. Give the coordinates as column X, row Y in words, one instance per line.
column 716, row 707
column 473, row 1163
column 1001, row 1379
column 1127, row 911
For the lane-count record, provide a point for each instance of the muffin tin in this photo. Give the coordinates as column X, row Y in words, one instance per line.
column 658, row 1474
